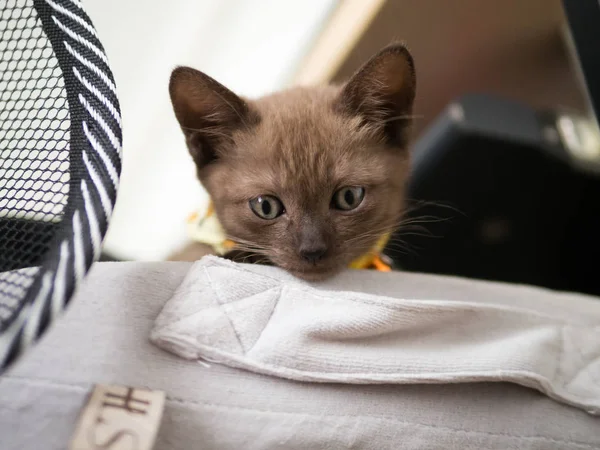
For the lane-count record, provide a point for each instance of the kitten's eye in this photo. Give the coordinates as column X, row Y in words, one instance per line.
column 348, row 198
column 266, row 207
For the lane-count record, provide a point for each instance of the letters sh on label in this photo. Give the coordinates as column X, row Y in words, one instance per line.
column 119, row 418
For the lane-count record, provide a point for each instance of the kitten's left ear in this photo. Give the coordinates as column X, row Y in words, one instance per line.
column 382, row 92
column 207, row 111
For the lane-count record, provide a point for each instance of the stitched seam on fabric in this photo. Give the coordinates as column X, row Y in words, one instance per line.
column 220, row 262
column 561, row 358
column 244, row 362
column 310, row 290
column 314, row 292
column 595, row 377
column 583, row 363
column 45, row 382
column 186, row 402
column 182, row 293
column 280, row 288
column 211, row 285
column 589, row 361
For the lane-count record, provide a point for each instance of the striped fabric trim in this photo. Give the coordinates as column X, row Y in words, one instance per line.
column 96, row 141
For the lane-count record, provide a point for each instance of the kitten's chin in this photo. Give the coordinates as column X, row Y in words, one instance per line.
column 313, row 276
column 314, row 273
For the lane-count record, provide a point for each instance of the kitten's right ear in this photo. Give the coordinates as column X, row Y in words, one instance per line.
column 207, row 112
column 382, row 92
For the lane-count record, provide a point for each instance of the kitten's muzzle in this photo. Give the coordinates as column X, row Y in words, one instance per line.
column 313, row 254
column 312, row 243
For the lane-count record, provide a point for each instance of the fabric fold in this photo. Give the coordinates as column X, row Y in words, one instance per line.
column 279, row 326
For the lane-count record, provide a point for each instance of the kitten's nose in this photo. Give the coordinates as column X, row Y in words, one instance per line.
column 312, row 244
column 313, row 254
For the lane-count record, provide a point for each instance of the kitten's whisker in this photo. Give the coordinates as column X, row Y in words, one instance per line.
column 250, row 250
column 427, row 235
column 363, row 237
column 377, row 232
column 423, row 219
column 405, row 251
column 402, row 117
column 403, row 227
column 262, row 261
column 399, row 243
column 414, row 205
column 371, row 238
column 402, row 247
column 239, row 242
column 413, row 228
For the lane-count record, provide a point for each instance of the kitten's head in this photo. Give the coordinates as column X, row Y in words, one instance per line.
column 308, row 177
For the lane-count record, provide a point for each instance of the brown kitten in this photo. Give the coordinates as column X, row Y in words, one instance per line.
column 309, row 178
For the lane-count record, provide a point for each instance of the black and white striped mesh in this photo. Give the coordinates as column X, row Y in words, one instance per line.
column 60, row 160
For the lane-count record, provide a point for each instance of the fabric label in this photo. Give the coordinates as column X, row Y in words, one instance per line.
column 119, row 418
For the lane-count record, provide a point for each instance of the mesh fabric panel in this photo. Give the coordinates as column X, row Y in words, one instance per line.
column 34, row 150
column 60, row 160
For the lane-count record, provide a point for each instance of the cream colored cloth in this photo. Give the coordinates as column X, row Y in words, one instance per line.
column 279, row 326
column 103, row 338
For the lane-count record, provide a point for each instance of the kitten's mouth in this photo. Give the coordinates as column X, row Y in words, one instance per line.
column 308, row 272
column 316, row 272
column 314, row 275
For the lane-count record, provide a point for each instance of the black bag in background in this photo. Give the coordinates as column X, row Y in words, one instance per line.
column 504, row 192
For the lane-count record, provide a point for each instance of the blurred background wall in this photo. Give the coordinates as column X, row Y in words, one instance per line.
column 513, row 48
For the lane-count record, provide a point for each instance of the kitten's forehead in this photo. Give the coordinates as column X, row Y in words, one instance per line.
column 301, row 139
column 301, row 119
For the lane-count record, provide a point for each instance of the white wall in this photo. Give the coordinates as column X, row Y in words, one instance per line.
column 251, row 46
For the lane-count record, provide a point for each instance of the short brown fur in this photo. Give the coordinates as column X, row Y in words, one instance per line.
column 302, row 145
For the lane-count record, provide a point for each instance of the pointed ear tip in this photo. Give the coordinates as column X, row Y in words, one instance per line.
column 397, row 56
column 185, row 80
column 177, row 75
column 181, row 72
column 398, row 49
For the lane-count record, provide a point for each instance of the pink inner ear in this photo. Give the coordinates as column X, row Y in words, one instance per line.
column 391, row 77
column 385, row 85
column 200, row 101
